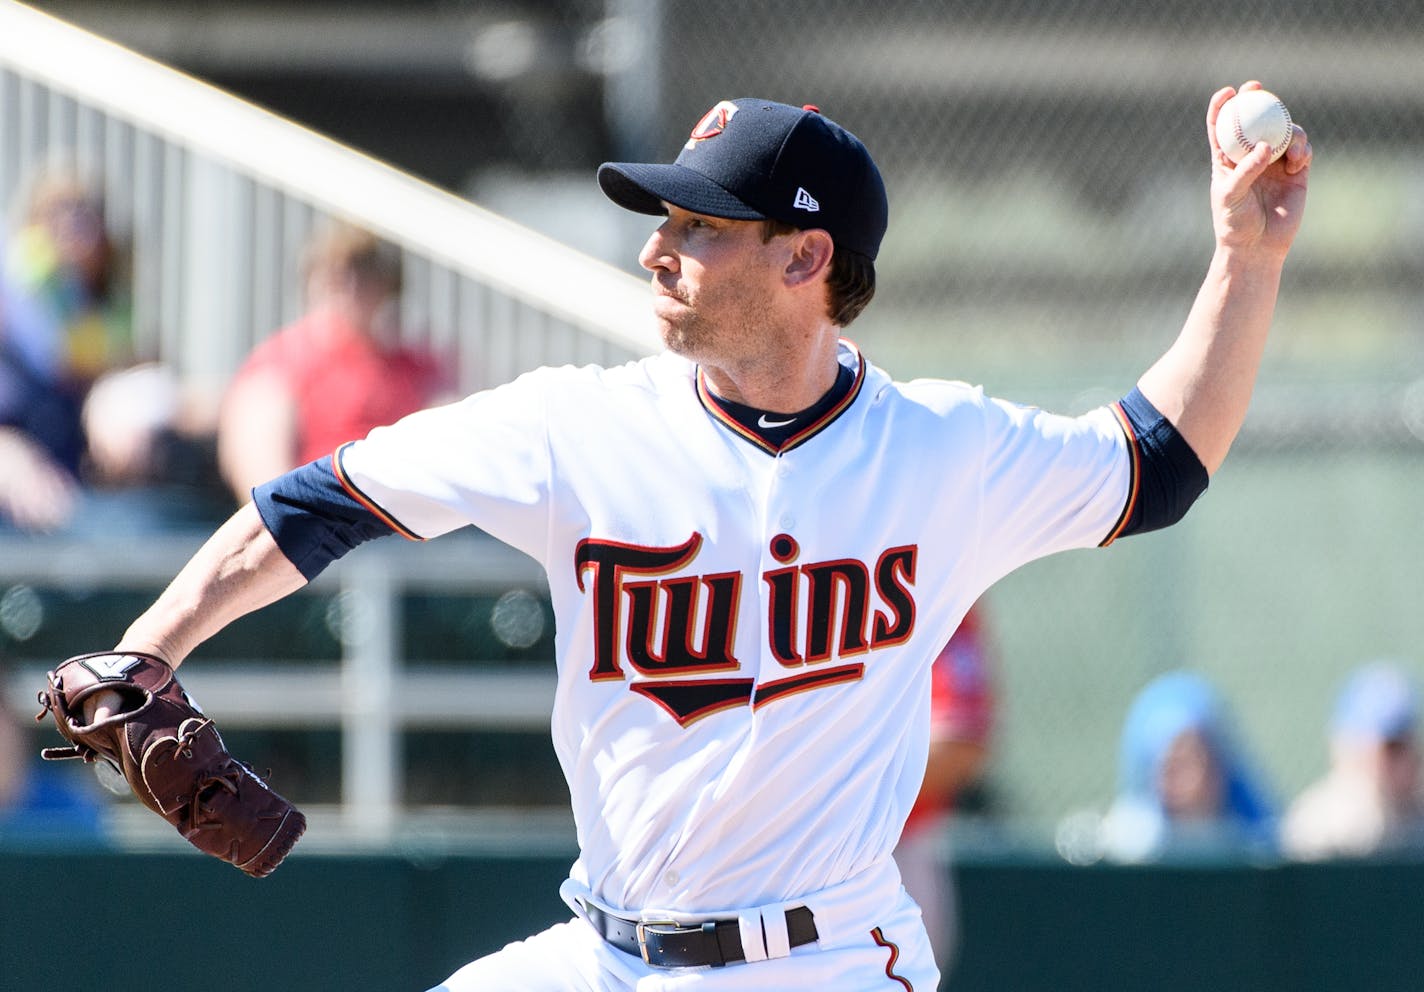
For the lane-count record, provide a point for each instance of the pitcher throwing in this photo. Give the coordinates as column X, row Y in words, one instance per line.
column 756, row 544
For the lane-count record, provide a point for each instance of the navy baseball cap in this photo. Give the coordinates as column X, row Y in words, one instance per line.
column 750, row 159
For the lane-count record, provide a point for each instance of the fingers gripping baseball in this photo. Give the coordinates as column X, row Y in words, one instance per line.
column 1258, row 195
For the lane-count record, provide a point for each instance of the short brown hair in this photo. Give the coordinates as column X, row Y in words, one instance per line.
column 339, row 246
column 851, row 285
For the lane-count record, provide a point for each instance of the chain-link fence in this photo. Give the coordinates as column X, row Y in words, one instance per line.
column 1047, row 168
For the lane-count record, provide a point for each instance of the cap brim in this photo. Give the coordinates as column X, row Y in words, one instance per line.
column 643, row 188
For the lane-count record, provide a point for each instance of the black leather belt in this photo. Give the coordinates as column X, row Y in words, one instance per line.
column 665, row 944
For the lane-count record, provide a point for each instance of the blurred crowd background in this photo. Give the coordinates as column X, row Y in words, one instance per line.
column 1047, row 173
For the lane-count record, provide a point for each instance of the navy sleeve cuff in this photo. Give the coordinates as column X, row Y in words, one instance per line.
column 1168, row 475
column 313, row 518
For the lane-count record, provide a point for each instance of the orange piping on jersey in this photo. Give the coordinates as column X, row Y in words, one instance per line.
column 894, row 956
column 714, row 406
column 802, row 436
column 1134, row 483
column 366, row 501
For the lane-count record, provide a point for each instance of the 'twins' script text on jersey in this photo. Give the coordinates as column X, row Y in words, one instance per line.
column 731, row 621
column 685, row 624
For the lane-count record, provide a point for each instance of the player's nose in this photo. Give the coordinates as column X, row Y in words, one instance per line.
column 659, row 254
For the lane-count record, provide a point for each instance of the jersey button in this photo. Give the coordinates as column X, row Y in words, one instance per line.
column 671, row 877
column 787, row 521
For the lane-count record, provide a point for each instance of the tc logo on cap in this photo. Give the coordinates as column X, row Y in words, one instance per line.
column 772, row 161
column 712, row 123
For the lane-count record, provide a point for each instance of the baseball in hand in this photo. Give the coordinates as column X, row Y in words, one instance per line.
column 1249, row 117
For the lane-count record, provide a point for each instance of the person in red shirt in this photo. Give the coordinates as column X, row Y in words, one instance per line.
column 334, row 374
column 961, row 717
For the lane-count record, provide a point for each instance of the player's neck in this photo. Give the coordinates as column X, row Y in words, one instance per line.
column 779, row 383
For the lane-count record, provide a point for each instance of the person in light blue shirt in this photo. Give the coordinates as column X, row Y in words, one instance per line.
column 1185, row 786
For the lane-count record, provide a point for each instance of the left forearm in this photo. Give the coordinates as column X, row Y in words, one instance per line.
column 238, row 570
column 1203, row 383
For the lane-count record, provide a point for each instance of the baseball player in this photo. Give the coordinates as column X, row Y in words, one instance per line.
column 756, row 544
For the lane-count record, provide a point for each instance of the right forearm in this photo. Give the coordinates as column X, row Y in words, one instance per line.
column 238, row 570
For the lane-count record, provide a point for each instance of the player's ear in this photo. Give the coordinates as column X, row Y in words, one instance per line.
column 810, row 258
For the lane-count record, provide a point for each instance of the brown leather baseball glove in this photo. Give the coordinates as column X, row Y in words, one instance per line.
column 172, row 757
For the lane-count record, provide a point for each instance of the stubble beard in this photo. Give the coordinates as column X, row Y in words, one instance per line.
column 728, row 340
column 689, row 338
column 685, row 330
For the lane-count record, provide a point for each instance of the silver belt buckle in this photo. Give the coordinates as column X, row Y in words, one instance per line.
column 641, row 931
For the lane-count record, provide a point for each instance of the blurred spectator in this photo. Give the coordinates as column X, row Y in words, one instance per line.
column 1184, row 785
column 40, row 436
column 74, row 275
column 961, row 715
column 36, row 493
column 151, row 456
column 1368, row 802
column 334, row 374
column 86, row 447
column 40, row 800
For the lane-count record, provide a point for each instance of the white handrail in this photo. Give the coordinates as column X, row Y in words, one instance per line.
column 371, row 695
column 529, row 266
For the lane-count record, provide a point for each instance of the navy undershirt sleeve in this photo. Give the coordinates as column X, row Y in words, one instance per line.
column 1171, row 476
column 313, row 518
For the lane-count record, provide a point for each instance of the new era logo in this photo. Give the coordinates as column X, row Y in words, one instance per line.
column 805, row 201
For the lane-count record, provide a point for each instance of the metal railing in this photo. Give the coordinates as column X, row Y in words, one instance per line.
column 217, row 198
column 369, row 693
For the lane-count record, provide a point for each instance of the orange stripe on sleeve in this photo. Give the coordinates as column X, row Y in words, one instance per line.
column 1135, row 480
column 355, row 492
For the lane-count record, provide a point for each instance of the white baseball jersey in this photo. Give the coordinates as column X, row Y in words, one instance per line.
column 744, row 636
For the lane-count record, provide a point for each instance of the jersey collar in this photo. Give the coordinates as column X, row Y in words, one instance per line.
column 817, row 418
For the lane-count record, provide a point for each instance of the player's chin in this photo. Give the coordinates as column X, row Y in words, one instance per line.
column 676, row 340
column 679, row 335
